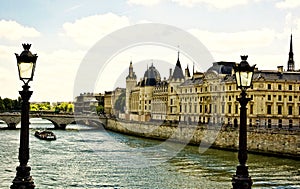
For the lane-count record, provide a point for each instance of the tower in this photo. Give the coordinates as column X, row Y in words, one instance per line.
column 291, row 62
column 130, row 84
column 173, row 100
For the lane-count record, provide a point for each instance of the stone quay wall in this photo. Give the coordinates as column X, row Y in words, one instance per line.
column 272, row 142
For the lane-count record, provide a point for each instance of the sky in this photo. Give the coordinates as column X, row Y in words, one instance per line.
column 62, row 34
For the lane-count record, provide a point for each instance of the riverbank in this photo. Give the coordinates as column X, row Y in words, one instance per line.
column 268, row 142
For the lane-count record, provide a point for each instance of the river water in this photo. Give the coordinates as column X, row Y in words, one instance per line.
column 84, row 157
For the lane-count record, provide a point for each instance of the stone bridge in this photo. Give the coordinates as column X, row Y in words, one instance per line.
column 60, row 121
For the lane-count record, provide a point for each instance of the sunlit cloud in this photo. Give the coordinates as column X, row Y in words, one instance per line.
column 88, row 30
column 218, row 4
column 12, row 30
column 144, row 2
column 288, row 4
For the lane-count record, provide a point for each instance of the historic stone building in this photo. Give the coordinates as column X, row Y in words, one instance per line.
column 211, row 97
column 130, row 84
column 108, row 106
column 85, row 102
column 203, row 97
column 139, row 99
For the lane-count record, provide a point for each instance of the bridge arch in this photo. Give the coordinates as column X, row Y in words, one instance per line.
column 11, row 121
column 60, row 121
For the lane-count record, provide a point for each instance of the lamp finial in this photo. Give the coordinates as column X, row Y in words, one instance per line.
column 244, row 57
column 26, row 46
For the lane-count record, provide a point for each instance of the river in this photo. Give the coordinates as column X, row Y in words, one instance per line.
column 85, row 157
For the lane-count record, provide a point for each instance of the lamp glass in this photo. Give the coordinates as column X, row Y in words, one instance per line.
column 26, row 70
column 237, row 78
column 243, row 78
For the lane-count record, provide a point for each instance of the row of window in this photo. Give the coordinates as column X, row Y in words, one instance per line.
column 280, row 87
column 203, row 89
column 279, row 97
column 269, row 123
column 280, row 109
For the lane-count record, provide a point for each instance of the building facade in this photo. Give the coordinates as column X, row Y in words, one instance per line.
column 85, row 102
column 211, row 97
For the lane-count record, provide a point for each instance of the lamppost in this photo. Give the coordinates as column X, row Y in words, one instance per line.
column 26, row 65
column 243, row 76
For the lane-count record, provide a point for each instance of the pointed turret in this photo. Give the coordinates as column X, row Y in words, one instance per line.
column 291, row 62
column 187, row 72
column 178, row 73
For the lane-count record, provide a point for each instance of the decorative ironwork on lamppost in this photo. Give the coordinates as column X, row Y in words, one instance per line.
column 26, row 62
column 243, row 75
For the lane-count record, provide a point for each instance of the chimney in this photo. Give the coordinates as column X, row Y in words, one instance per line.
column 170, row 76
column 280, row 69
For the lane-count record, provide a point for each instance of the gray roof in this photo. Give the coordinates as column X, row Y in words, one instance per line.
column 178, row 73
column 275, row 75
column 151, row 77
column 270, row 75
column 192, row 82
column 222, row 67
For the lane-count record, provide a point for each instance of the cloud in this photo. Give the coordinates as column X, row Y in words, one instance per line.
column 288, row 4
column 219, row 4
column 144, row 2
column 53, row 78
column 12, row 30
column 88, row 30
column 55, row 72
column 235, row 41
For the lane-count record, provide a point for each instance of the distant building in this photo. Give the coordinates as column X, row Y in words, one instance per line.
column 138, row 104
column 85, row 102
column 108, row 102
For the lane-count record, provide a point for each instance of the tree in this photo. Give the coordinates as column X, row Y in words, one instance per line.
column 40, row 106
column 70, row 108
column 8, row 104
column 99, row 109
column 2, row 106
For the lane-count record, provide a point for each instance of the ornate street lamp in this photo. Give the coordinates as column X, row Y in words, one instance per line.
column 243, row 76
column 26, row 65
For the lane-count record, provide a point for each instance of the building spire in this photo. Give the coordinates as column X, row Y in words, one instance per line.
column 291, row 62
column 131, row 74
column 178, row 61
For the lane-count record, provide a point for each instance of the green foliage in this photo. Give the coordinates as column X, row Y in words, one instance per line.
column 120, row 103
column 8, row 104
column 70, row 108
column 63, row 107
column 40, row 106
column 100, row 109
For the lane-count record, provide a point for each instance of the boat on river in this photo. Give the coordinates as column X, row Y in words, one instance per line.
column 45, row 135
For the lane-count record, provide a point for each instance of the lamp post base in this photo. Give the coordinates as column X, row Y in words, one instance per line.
column 241, row 180
column 23, row 180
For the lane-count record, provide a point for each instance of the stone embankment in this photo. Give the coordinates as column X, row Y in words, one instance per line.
column 273, row 142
